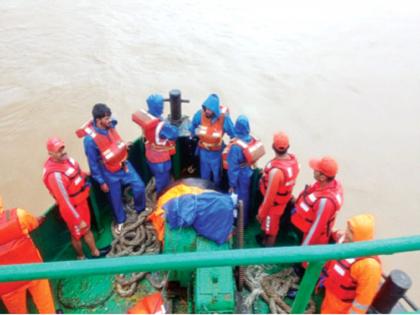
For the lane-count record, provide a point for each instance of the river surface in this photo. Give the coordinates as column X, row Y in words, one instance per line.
column 341, row 78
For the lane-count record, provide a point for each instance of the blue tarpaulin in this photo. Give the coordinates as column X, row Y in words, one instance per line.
column 209, row 213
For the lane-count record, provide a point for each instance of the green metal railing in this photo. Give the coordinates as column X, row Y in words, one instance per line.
column 315, row 255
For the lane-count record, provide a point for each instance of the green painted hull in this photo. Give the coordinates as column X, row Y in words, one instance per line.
column 210, row 288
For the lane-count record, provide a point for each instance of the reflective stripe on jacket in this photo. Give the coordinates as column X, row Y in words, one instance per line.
column 211, row 134
column 77, row 188
column 252, row 151
column 112, row 148
column 339, row 279
column 290, row 170
column 158, row 150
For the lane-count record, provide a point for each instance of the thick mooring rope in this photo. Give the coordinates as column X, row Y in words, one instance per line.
column 272, row 288
column 137, row 237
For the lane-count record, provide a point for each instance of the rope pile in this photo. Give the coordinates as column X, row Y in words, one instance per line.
column 137, row 237
column 272, row 288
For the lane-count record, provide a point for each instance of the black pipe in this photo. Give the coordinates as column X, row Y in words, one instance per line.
column 175, row 101
column 393, row 289
column 240, row 240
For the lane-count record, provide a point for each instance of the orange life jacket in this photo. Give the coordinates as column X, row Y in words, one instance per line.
column 78, row 189
column 211, row 134
column 305, row 213
column 16, row 247
column 290, row 170
column 339, row 280
column 252, row 151
column 157, row 150
column 150, row 304
column 112, row 148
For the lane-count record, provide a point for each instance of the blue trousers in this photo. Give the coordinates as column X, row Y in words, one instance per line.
column 162, row 174
column 244, row 186
column 115, row 182
column 211, row 164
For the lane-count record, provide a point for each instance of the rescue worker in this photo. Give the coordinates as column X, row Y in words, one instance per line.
column 316, row 207
column 160, row 140
column 67, row 183
column 239, row 158
column 107, row 156
column 209, row 124
column 351, row 284
column 276, row 185
column 17, row 247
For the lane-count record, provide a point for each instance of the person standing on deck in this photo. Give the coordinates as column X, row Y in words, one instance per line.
column 107, row 156
column 351, row 284
column 67, row 183
column 276, row 185
column 239, row 158
column 17, row 247
column 316, row 207
column 160, row 139
column 209, row 124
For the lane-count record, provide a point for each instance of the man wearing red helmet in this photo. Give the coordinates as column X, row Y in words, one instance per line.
column 67, row 184
column 316, row 207
column 276, row 185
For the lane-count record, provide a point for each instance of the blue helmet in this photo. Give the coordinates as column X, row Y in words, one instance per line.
column 242, row 126
column 155, row 104
column 213, row 103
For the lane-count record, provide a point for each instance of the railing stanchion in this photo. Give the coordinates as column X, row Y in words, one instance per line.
column 307, row 286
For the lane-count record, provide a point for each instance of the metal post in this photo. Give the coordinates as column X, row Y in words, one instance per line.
column 394, row 288
column 175, row 101
column 306, row 287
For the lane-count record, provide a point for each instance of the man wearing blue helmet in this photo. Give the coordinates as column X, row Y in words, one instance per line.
column 239, row 158
column 209, row 125
column 160, row 140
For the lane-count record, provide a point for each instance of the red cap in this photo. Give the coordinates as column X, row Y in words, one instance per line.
column 327, row 166
column 280, row 141
column 54, row 144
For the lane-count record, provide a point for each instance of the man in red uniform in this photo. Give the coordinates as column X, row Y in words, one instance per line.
column 316, row 207
column 67, row 184
column 351, row 284
column 17, row 247
column 276, row 185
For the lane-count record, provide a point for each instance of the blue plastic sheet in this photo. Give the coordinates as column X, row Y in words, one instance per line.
column 209, row 213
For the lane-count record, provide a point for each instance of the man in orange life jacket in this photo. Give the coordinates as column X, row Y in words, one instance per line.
column 107, row 156
column 276, row 185
column 316, row 207
column 160, row 140
column 209, row 124
column 67, row 183
column 351, row 284
column 17, row 247
column 239, row 157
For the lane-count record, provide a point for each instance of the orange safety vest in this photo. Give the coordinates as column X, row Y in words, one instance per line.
column 339, row 280
column 211, row 134
column 16, row 247
column 150, row 304
column 157, row 150
column 290, row 170
column 78, row 189
column 112, row 148
column 305, row 214
column 252, row 151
